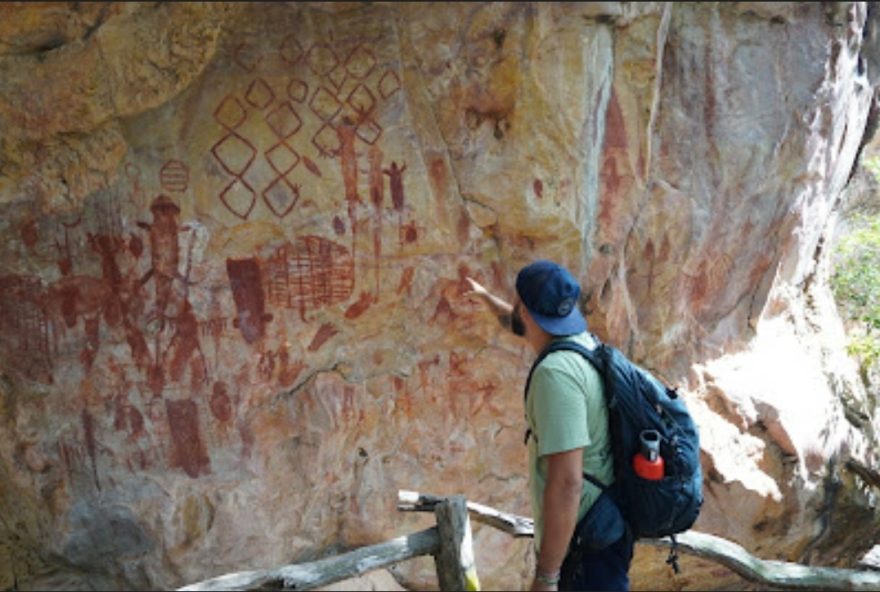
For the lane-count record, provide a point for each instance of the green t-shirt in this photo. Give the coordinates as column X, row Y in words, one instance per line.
column 565, row 409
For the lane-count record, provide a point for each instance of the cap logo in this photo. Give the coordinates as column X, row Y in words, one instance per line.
column 565, row 307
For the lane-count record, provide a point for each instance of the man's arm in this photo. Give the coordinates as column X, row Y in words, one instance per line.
column 500, row 307
column 562, row 495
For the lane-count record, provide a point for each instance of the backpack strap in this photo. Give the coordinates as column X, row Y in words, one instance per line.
column 596, row 482
column 672, row 559
column 591, row 355
column 568, row 345
column 553, row 346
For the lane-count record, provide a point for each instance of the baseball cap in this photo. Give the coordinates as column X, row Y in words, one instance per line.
column 550, row 293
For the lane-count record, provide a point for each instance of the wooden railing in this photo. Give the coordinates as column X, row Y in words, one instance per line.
column 451, row 544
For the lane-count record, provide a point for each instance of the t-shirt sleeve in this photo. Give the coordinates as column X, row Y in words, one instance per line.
column 559, row 410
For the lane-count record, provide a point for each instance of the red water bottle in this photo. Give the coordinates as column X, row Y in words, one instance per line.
column 647, row 463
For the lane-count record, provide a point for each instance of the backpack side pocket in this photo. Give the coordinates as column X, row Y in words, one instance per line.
column 600, row 527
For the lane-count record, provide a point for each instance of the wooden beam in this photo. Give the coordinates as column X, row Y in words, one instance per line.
column 792, row 576
column 305, row 576
column 456, row 569
column 867, row 474
column 512, row 524
column 871, row 559
column 458, row 558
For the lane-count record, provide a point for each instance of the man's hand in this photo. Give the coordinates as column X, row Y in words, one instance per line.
column 477, row 289
column 501, row 308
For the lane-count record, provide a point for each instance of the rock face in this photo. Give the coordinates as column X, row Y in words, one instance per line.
column 233, row 319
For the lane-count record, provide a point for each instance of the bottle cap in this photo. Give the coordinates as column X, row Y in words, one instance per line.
column 650, row 440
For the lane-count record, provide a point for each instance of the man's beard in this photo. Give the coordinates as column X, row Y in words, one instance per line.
column 516, row 323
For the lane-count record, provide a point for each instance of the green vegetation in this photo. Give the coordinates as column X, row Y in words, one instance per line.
column 872, row 164
column 856, row 281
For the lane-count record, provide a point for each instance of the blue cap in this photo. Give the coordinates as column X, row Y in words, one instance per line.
column 550, row 293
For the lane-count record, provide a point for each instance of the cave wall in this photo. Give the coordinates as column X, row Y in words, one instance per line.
column 234, row 319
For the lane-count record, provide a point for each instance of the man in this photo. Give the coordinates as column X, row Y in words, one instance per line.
column 568, row 423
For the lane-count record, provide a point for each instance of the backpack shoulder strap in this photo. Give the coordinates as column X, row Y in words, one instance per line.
column 591, row 355
column 560, row 345
column 566, row 345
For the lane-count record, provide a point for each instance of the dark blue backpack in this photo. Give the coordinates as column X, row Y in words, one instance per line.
column 637, row 401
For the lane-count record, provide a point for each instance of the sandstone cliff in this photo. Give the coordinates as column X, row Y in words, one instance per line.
column 232, row 311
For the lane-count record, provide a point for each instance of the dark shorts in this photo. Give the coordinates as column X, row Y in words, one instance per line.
column 599, row 570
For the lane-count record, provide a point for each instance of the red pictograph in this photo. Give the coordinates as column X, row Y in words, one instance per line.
column 246, row 56
column 221, row 403
column 337, row 78
column 281, row 194
column 324, row 333
column 164, row 250
column 313, row 273
column 65, row 249
column 117, row 307
column 426, row 372
column 88, row 423
column 341, row 83
column 235, row 154
column 345, row 131
column 325, row 106
column 297, row 90
column 348, row 162
column 289, row 370
column 360, row 63
column 259, row 94
column 266, row 365
column 326, row 141
column 403, row 395
column 362, row 102
column 321, row 59
column 184, row 348
column 406, row 280
column 311, row 166
column 395, row 176
column 338, row 225
column 359, row 307
column 72, row 453
column 174, row 176
column 24, row 327
column 388, row 84
column 377, row 197
column 369, row 131
column 409, row 233
column 247, row 291
column 128, row 418
column 443, row 312
column 377, row 180
column 136, row 196
column 358, row 107
column 106, row 214
column 172, row 309
column 188, row 449
column 291, row 50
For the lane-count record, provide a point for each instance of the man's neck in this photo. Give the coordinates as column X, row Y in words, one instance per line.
column 539, row 340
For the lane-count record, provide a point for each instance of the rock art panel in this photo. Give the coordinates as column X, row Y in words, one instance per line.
column 233, row 274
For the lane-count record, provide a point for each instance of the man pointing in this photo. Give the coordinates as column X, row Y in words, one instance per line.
column 567, row 431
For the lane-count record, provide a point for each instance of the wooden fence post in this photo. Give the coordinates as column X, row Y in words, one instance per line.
column 456, row 569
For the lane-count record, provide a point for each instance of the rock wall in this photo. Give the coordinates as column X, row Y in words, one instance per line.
column 233, row 319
